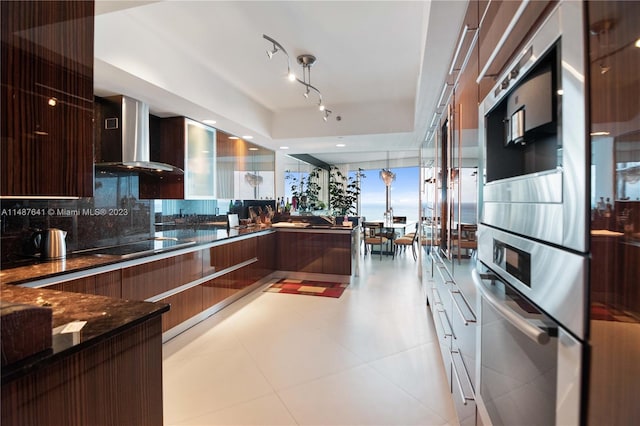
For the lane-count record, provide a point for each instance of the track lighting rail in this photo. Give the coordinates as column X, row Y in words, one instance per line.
column 306, row 61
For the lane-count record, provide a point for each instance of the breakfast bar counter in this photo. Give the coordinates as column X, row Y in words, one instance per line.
column 104, row 365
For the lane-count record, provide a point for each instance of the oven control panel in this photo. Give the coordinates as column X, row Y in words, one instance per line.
column 513, row 260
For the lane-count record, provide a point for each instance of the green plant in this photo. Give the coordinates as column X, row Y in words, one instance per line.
column 306, row 189
column 344, row 191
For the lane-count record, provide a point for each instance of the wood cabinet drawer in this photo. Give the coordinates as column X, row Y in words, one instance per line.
column 184, row 305
column 105, row 284
column 141, row 282
column 225, row 256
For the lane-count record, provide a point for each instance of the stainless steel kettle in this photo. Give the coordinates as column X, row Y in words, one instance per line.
column 51, row 243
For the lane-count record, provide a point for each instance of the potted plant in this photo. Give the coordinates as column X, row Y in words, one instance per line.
column 306, row 190
column 344, row 191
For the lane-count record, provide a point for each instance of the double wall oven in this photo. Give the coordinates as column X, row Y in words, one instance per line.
column 533, row 233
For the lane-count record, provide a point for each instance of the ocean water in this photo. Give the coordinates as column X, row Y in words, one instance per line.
column 375, row 211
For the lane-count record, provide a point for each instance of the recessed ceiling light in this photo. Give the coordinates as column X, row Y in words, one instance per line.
column 52, row 102
column 233, row 137
column 253, row 149
column 209, row 121
column 247, row 137
column 340, row 145
column 638, row 42
column 284, row 147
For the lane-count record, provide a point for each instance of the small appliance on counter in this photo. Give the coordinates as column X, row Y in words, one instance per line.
column 50, row 243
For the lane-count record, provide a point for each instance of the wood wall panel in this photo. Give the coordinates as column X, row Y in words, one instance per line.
column 115, row 382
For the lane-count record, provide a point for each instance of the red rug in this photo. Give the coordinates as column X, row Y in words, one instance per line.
column 310, row 288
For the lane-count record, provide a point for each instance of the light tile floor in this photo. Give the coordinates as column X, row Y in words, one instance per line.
column 368, row 358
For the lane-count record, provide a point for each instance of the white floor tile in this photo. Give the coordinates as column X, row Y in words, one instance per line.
column 420, row 373
column 204, row 383
column 264, row 411
column 368, row 357
column 359, row 396
column 298, row 355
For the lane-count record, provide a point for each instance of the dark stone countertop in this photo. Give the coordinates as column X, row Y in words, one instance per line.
column 105, row 317
column 35, row 269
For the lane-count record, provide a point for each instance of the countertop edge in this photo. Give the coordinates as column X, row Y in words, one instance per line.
column 129, row 320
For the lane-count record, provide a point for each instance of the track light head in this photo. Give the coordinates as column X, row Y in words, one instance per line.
column 320, row 105
column 291, row 76
column 306, row 93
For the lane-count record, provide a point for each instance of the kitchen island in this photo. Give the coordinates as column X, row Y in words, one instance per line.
column 108, row 371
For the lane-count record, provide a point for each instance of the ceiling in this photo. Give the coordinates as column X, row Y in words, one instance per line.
column 380, row 67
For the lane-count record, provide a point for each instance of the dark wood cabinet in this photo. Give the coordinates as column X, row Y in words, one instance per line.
column 151, row 279
column 184, row 305
column 188, row 145
column 225, row 256
column 216, row 290
column 314, row 252
column 287, row 251
column 115, row 381
column 266, row 250
column 337, row 256
column 47, row 98
column 105, row 284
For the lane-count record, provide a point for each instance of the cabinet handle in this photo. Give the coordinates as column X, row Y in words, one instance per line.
column 446, row 319
column 438, row 300
column 466, row 320
column 456, row 354
column 444, row 274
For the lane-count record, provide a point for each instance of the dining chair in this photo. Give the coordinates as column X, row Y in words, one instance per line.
column 409, row 239
column 374, row 235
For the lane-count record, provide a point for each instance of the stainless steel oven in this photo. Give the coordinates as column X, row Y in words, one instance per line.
column 532, row 326
column 534, row 161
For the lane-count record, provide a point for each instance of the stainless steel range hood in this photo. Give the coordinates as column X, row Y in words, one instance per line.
column 123, row 139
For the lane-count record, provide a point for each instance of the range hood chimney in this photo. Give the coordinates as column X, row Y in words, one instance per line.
column 124, row 137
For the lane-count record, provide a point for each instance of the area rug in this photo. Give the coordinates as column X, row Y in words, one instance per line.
column 309, row 288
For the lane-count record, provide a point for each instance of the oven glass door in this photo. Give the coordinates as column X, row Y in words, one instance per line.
column 518, row 358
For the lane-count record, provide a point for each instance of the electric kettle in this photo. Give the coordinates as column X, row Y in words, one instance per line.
column 50, row 243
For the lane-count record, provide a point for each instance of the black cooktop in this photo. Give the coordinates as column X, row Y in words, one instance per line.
column 154, row 245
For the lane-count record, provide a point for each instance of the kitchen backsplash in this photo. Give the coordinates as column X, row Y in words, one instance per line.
column 114, row 215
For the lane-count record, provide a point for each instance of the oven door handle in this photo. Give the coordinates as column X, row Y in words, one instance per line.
column 531, row 331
